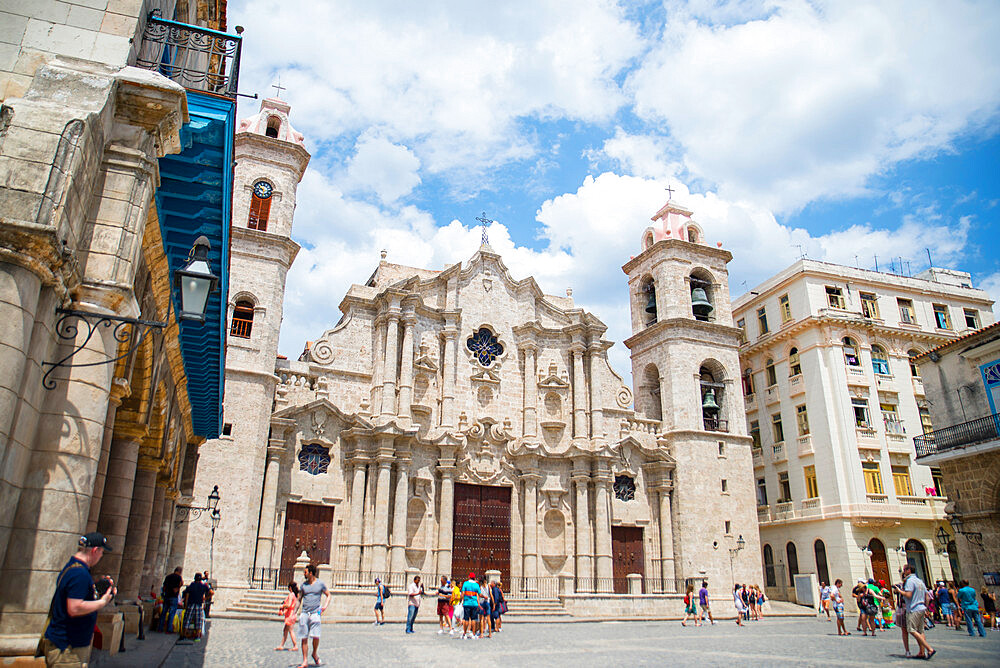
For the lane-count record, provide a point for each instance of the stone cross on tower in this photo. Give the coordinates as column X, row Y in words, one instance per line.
column 278, row 87
column 670, row 192
column 485, row 221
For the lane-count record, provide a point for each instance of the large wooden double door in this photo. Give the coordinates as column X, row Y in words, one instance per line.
column 307, row 527
column 481, row 533
column 626, row 555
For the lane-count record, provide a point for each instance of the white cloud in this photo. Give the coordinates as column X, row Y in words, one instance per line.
column 812, row 99
column 388, row 169
column 991, row 284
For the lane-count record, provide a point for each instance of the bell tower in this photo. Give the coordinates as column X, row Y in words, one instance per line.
column 271, row 159
column 686, row 372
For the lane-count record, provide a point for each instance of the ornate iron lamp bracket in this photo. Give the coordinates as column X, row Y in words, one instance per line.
column 67, row 328
column 189, row 513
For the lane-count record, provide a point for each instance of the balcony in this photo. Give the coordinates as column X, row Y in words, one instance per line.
column 880, row 499
column 912, row 500
column 784, row 510
column 196, row 58
column 778, row 452
column 918, row 386
column 885, row 383
column 805, row 445
column 715, row 424
column 758, row 457
column 764, row 513
column 795, row 385
column 811, row 504
column 771, row 395
column 958, row 436
column 241, row 327
column 750, row 402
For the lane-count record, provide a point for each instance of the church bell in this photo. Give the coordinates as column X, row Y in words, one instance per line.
column 700, row 304
column 709, row 402
column 651, row 302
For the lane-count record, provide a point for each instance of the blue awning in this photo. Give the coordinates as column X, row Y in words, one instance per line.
column 194, row 198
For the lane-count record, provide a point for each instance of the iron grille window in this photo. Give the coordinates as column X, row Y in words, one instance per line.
column 314, row 458
column 484, row 346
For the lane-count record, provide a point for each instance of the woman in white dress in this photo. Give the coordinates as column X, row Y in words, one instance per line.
column 740, row 605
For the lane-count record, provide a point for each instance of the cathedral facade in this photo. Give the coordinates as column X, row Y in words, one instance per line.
column 460, row 419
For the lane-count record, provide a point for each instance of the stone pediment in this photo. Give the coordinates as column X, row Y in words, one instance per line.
column 424, row 361
column 553, row 380
column 321, row 416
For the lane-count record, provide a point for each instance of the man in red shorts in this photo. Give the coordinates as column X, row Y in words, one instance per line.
column 444, row 606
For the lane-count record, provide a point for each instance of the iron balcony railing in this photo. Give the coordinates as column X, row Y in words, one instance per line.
column 715, row 424
column 958, row 436
column 197, row 58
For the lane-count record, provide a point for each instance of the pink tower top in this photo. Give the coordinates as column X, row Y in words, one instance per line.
column 272, row 121
column 672, row 222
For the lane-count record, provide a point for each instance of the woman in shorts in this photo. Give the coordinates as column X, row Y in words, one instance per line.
column 287, row 610
column 484, row 610
column 689, row 609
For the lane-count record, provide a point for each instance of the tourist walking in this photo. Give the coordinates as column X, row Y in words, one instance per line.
column 413, row 596
column 915, row 591
column 970, row 608
column 381, row 593
column 73, row 610
column 900, row 602
column 761, row 599
column 456, row 607
column 170, row 591
column 824, row 600
column 314, row 597
column 944, row 603
column 499, row 606
column 444, row 605
column 689, row 608
column 704, row 603
column 470, row 607
column 990, row 607
column 956, row 611
column 837, row 599
column 857, row 593
column 209, row 595
column 484, row 609
column 738, row 602
column 287, row 610
column 194, row 611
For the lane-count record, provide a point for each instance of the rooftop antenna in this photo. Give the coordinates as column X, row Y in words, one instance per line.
column 802, row 253
column 485, row 221
column 929, row 260
column 856, row 263
column 876, row 263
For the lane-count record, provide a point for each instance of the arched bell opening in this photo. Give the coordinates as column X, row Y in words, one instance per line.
column 648, row 292
column 712, row 390
column 702, row 297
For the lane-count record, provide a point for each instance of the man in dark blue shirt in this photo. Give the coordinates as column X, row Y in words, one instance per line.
column 75, row 604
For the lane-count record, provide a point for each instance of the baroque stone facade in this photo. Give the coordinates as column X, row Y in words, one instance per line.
column 461, row 419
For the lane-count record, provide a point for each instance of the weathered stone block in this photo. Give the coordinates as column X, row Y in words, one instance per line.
column 12, row 27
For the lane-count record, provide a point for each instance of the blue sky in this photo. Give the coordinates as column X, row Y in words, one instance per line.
column 837, row 129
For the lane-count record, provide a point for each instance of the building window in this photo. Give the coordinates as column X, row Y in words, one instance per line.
column 784, row 487
column 942, row 320
column 227, row 429
column 624, row 487
column 772, row 376
column 971, row 318
column 925, row 419
column 880, row 361
column 851, row 352
column 861, row 417
column 906, row 313
column 314, row 458
column 748, row 383
column 901, row 481
column 890, row 416
column 802, row 420
column 794, row 366
column 260, row 206
column 725, row 485
column 741, row 325
column 722, row 449
column 242, row 320
column 755, row 433
column 835, row 297
column 769, row 579
column 728, row 527
column 484, row 345
column 762, row 320
column 914, row 367
column 812, row 487
column 869, row 306
column 761, row 492
column 873, row 478
column 786, row 308
column 938, row 480
column 776, row 428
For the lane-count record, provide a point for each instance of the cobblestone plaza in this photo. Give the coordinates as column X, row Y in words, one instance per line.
column 772, row 642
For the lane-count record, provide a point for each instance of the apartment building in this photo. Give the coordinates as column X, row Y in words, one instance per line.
column 833, row 399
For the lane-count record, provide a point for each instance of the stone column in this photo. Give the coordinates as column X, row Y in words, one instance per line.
column 389, row 373
column 368, row 535
column 666, row 540
column 406, row 366
column 530, row 391
column 602, row 525
column 137, row 535
column 119, row 389
column 269, row 506
column 596, row 412
column 397, row 556
column 160, row 567
column 380, row 538
column 378, row 365
column 531, row 526
column 356, row 526
column 447, row 517
column 117, row 503
column 584, row 558
column 147, row 582
column 448, row 367
column 579, row 393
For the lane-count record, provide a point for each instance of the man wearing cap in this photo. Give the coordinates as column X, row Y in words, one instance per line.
column 74, row 606
column 470, row 606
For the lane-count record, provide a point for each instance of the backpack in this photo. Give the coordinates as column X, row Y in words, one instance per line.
column 386, row 594
column 687, row 599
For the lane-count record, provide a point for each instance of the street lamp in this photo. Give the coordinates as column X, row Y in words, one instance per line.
column 733, row 551
column 213, row 499
column 943, row 537
column 196, row 281
column 216, row 518
column 187, row 513
column 972, row 536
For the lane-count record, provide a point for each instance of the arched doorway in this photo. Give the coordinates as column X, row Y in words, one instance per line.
column 819, row 548
column 880, row 562
column 916, row 557
column 769, row 579
column 793, row 563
